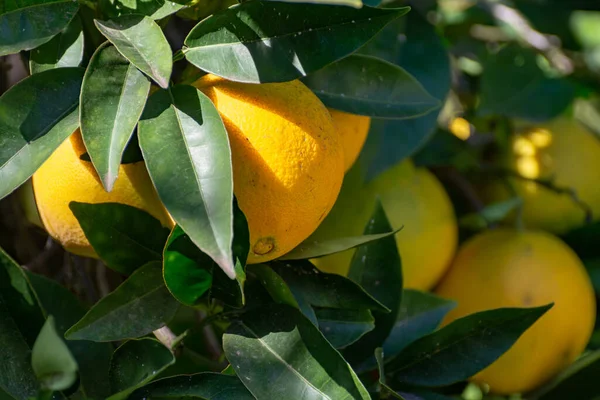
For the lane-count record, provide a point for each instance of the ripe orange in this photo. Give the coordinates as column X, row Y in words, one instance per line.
column 508, row 268
column 288, row 161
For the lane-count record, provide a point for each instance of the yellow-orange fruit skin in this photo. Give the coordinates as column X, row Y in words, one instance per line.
column 288, row 161
column 508, row 268
column 412, row 198
column 563, row 152
column 64, row 177
column 353, row 130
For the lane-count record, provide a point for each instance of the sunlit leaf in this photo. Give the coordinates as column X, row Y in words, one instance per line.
column 264, row 41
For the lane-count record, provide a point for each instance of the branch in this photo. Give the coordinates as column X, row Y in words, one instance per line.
column 166, row 337
column 548, row 45
column 548, row 184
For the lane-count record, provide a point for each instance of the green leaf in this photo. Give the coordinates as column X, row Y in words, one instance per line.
column 263, row 41
column 413, row 44
column 276, row 286
column 20, row 298
column 139, row 306
column 64, row 50
column 16, row 375
column 492, row 213
column 573, row 382
column 341, row 328
column 113, row 96
column 420, row 394
column 93, row 358
column 584, row 240
column 325, row 290
column 206, row 386
column 312, row 249
column 136, row 363
column 24, row 25
column 530, row 95
column 124, row 237
column 370, row 86
column 20, row 320
column 385, row 390
column 52, row 362
column 462, row 348
column 140, row 40
column 155, row 9
column 258, row 347
column 420, row 314
column 186, row 147
column 587, row 112
column 377, row 268
column 349, row 3
column 189, row 273
column 36, row 116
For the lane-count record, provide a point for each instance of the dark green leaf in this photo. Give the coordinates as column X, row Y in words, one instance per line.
column 16, row 375
column 344, row 327
column 64, row 50
column 189, row 273
column 140, row 40
column 445, row 149
column 241, row 237
column 263, row 41
column 349, row 3
column 37, row 115
column 123, row 236
column 139, row 306
column 312, row 249
column 24, row 25
column 370, row 86
column 385, row 391
column 113, row 96
column 575, row 382
column 205, row 386
column 587, row 112
column 584, row 240
column 325, row 290
column 377, row 268
column 20, row 298
column 420, row 52
column 136, row 363
column 462, row 348
column 258, row 347
column 420, row 314
column 155, row 9
column 530, row 95
column 52, row 362
column 20, row 321
column 492, row 213
column 93, row 358
column 276, row 286
column 186, row 148
column 420, row 394
column 592, row 265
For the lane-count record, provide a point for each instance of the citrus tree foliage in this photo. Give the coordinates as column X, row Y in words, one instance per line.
column 186, row 317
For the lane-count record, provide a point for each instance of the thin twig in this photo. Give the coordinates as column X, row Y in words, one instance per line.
column 548, row 184
column 210, row 338
column 469, row 193
column 101, row 279
column 165, row 336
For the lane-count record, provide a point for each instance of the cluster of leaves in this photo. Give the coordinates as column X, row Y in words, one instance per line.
column 286, row 329
column 289, row 329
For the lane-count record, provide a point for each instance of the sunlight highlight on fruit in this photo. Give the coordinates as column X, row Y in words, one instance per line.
column 461, row 128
